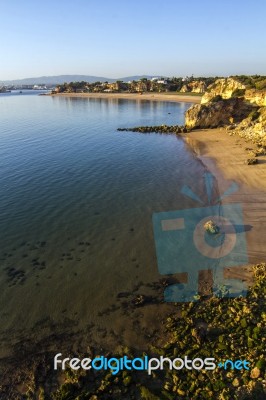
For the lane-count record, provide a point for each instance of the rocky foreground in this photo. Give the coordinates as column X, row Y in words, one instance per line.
column 222, row 328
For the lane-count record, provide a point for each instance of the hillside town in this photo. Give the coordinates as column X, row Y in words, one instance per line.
column 155, row 84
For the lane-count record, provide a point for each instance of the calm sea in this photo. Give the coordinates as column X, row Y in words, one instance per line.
column 76, row 204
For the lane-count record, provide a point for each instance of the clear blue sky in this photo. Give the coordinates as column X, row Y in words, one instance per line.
column 117, row 38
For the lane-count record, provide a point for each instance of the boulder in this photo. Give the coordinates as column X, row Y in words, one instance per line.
column 254, row 127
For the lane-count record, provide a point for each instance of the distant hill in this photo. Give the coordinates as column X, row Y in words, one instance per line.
column 54, row 80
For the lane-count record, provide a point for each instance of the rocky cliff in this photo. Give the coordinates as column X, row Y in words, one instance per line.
column 218, row 112
column 224, row 87
column 256, row 96
column 194, row 87
column 229, row 102
column 228, row 87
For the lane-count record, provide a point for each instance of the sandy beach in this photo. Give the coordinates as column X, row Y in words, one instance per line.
column 172, row 97
column 225, row 156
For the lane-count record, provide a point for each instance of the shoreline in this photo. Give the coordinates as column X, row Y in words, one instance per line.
column 174, row 98
column 225, row 157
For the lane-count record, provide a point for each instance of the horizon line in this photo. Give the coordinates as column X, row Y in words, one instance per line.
column 118, row 78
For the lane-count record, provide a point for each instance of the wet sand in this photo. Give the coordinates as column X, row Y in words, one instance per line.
column 225, row 156
column 172, row 97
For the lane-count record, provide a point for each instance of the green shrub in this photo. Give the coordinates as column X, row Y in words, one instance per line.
column 252, row 81
column 216, row 98
column 238, row 93
column 248, row 81
column 260, row 85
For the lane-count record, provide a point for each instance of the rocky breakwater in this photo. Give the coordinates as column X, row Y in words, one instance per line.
column 162, row 129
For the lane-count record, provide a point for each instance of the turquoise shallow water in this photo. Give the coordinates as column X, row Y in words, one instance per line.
column 76, row 204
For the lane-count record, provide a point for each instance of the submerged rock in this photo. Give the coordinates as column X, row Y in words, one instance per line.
column 140, row 300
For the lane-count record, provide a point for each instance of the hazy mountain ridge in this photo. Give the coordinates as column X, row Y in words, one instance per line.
column 58, row 79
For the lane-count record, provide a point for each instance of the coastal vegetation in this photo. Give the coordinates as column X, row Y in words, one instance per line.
column 252, row 81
